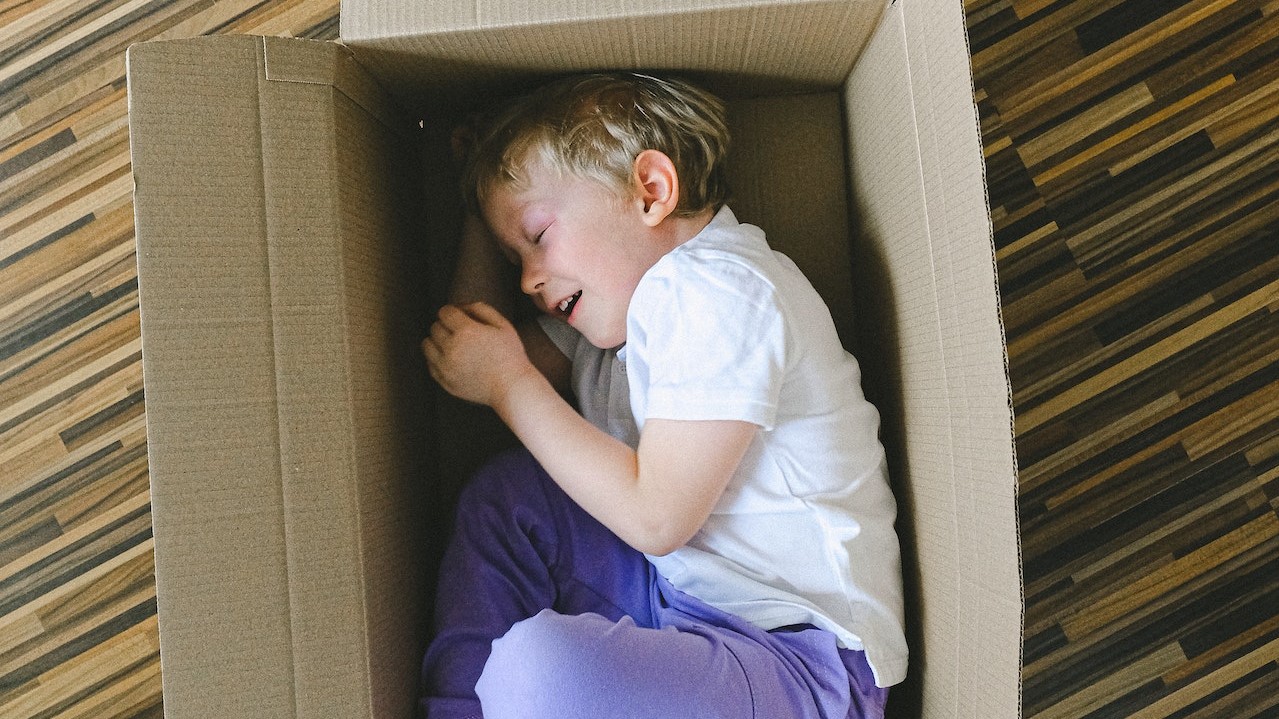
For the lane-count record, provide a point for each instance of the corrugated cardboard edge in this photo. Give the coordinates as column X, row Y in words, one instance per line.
column 374, row 19
column 918, row 183
column 218, row 312
column 960, row 225
column 976, row 148
column 368, row 19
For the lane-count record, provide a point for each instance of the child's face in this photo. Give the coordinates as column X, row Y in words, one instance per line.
column 581, row 247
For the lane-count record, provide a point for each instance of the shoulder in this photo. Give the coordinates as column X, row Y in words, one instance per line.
column 705, row 280
column 727, row 258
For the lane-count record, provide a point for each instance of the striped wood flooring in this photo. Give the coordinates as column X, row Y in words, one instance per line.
column 1133, row 160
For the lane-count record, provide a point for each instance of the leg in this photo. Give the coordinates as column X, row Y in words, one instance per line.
column 586, row 667
column 797, row 671
column 701, row 663
column 520, row 546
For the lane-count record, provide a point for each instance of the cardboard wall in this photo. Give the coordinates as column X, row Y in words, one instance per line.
column 284, row 385
column 208, row 335
column 926, row 283
column 438, row 53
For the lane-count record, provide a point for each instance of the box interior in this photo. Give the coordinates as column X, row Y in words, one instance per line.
column 297, row 236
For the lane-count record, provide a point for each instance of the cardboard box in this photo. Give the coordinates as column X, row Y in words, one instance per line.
column 293, row 226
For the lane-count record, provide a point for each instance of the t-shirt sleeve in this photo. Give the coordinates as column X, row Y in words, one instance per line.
column 712, row 337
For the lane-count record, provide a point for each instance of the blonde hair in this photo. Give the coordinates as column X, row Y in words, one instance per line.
column 594, row 126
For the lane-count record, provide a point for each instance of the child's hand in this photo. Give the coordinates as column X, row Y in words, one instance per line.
column 475, row 353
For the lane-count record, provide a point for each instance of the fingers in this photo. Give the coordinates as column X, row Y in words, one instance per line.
column 455, row 317
column 431, row 349
column 455, row 324
column 451, row 319
column 485, row 313
column 434, row 357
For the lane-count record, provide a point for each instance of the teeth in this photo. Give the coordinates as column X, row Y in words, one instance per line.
column 568, row 302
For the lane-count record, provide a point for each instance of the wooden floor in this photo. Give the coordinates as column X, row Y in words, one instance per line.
column 1133, row 158
column 1133, row 161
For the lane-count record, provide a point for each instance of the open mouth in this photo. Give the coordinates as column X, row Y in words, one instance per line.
column 568, row 303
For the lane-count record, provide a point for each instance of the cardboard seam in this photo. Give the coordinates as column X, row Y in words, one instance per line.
column 335, row 82
column 340, row 307
column 941, row 344
column 884, row 7
column 279, row 76
column 275, row 358
column 357, row 517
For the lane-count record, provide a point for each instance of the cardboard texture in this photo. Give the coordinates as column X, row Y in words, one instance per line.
column 919, row 186
column 288, row 197
column 280, row 364
column 424, row 51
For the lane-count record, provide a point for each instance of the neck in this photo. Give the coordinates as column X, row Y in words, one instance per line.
column 683, row 229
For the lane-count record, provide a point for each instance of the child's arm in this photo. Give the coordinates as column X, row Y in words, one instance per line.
column 485, row 275
column 655, row 498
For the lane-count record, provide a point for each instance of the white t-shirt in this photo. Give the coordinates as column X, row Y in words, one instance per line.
column 723, row 327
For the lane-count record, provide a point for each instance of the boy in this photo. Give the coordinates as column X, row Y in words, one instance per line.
column 713, row 535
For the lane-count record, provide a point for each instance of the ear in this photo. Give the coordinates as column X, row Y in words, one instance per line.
column 658, row 184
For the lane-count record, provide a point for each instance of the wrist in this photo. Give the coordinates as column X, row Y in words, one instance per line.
column 515, row 387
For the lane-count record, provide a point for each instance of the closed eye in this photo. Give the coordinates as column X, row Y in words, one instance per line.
column 537, row 238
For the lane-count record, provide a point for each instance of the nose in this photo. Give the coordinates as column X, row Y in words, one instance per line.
column 532, row 278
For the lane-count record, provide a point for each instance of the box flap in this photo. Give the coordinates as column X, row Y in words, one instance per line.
column 926, row 273
column 447, row 49
column 211, row 415
column 267, row 293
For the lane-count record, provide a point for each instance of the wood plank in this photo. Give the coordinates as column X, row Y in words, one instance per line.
column 1144, row 384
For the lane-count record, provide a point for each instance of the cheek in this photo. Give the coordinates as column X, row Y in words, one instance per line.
column 584, row 259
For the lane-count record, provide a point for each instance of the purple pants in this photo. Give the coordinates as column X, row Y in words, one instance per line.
column 543, row 612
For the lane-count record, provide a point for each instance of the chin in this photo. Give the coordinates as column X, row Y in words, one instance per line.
column 604, row 342
column 604, row 345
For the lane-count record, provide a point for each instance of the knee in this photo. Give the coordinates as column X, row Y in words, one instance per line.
column 535, row 654
column 537, row 667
